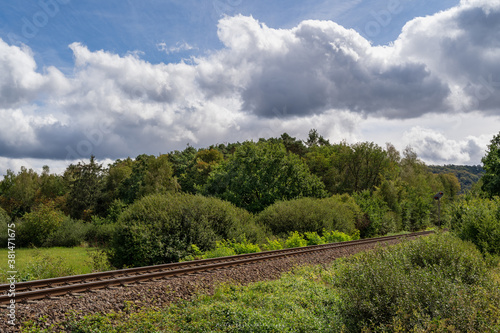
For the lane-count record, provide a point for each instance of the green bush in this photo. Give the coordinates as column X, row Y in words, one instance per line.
column 478, row 220
column 337, row 236
column 100, row 231
column 381, row 220
column 36, row 228
column 311, row 215
column 423, row 285
column 4, row 222
column 161, row 228
column 295, row 240
column 70, row 233
column 313, row 238
column 273, row 244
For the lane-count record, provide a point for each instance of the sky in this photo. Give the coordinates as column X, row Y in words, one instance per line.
column 122, row 78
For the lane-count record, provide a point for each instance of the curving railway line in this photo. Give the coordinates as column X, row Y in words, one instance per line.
column 35, row 290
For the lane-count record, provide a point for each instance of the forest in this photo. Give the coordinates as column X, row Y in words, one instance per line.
column 158, row 209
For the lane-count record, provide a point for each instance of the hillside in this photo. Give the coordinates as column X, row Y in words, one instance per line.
column 467, row 175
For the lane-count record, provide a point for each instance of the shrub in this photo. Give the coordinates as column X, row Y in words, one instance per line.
column 313, row 238
column 70, row 233
column 161, row 228
column 36, row 228
column 337, row 236
column 381, row 219
column 4, row 222
column 418, row 286
column 100, row 231
column 295, row 240
column 273, row 244
column 478, row 220
column 311, row 215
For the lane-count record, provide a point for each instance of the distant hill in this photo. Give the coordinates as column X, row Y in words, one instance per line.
column 467, row 174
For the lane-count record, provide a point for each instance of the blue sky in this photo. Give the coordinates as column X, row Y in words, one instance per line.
column 121, row 78
column 127, row 26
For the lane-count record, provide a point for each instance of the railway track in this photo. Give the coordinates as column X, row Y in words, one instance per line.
column 39, row 289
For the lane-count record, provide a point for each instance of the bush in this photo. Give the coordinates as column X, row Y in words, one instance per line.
column 100, row 231
column 478, row 220
column 337, row 236
column 432, row 283
column 4, row 222
column 36, row 228
column 161, row 228
column 311, row 215
column 295, row 240
column 70, row 233
column 381, row 220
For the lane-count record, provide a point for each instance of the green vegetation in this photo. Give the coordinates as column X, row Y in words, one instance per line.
column 161, row 228
column 434, row 284
column 477, row 220
column 467, row 175
column 281, row 185
column 307, row 215
column 42, row 263
column 491, row 161
column 259, row 174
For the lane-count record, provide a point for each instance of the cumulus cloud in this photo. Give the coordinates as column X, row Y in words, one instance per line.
column 263, row 82
column 434, row 147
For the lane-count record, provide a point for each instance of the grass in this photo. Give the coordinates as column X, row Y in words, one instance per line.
column 42, row 263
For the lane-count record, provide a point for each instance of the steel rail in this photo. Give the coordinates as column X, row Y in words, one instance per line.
column 86, row 282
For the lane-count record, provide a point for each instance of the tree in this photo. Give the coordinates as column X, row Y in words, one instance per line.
column 19, row 191
column 348, row 168
column 314, row 139
column 201, row 166
column 149, row 175
column 491, row 162
column 258, row 174
column 86, row 183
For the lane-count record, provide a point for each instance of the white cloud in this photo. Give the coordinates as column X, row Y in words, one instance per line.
column 179, row 47
column 434, row 147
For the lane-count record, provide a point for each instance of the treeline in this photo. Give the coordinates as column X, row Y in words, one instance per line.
column 260, row 189
column 467, row 175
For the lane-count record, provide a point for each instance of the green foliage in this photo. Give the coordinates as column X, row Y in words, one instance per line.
column 259, row 174
column 225, row 248
column 478, row 221
column 161, row 228
column 43, row 266
column 467, row 175
column 85, row 183
column 311, row 215
column 295, row 303
column 295, row 240
column 149, row 175
column 337, row 236
column 197, row 173
column 348, row 168
column 4, row 222
column 100, row 232
column 381, row 221
column 37, row 228
column 18, row 192
column 313, row 238
column 273, row 244
column 491, row 162
column 418, row 286
column 69, row 233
